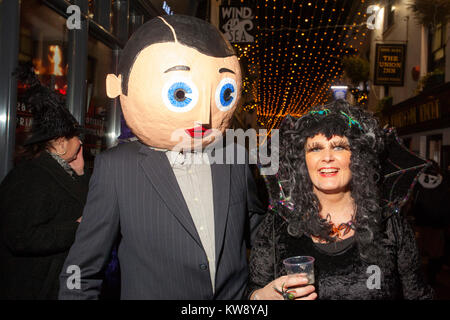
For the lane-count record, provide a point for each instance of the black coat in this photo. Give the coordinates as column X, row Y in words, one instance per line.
column 39, row 206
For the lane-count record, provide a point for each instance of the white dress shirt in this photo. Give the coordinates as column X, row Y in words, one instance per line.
column 193, row 173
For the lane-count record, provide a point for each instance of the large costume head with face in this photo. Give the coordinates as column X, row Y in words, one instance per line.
column 179, row 82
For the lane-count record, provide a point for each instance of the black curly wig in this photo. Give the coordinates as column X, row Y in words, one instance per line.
column 366, row 141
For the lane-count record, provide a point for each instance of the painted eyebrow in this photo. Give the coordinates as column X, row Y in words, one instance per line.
column 178, row 68
column 222, row 70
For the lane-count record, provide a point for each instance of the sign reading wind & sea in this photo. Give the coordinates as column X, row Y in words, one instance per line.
column 236, row 22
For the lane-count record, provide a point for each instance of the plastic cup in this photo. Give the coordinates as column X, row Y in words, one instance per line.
column 300, row 265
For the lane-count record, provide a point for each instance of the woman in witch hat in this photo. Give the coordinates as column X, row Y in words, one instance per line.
column 42, row 198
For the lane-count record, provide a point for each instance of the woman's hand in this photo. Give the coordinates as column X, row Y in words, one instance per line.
column 294, row 284
column 78, row 163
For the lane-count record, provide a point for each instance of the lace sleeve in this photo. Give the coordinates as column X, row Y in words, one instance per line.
column 262, row 256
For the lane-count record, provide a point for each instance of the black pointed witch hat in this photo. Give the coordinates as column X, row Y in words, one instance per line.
column 51, row 118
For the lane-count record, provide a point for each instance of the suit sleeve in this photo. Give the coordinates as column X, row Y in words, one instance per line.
column 95, row 237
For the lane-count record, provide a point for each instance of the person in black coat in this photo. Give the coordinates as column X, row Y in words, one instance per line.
column 41, row 201
column 431, row 218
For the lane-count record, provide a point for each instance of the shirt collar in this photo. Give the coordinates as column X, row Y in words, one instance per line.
column 177, row 158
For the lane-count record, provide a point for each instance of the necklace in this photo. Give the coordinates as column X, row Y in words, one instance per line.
column 342, row 229
column 337, row 231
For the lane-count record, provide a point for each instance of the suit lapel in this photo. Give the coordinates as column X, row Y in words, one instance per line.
column 157, row 168
column 221, row 193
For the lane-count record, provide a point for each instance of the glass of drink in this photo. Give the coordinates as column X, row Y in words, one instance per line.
column 300, row 264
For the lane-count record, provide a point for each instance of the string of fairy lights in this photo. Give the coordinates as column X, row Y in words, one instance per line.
column 297, row 54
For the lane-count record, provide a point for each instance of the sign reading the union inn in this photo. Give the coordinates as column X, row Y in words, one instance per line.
column 236, row 23
column 389, row 64
column 419, row 113
column 427, row 111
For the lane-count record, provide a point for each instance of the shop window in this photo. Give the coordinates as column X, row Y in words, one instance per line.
column 389, row 13
column 113, row 17
column 437, row 48
column 91, row 9
column 135, row 21
column 407, row 142
column 446, row 160
column 43, row 41
column 100, row 63
column 434, row 148
column 100, row 12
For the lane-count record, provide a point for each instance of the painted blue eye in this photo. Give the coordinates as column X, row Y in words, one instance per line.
column 180, row 95
column 226, row 94
column 226, row 97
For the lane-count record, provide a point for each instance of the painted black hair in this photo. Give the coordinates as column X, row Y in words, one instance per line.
column 189, row 31
column 366, row 141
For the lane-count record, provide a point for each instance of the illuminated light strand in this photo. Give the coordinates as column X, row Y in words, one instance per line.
column 288, row 86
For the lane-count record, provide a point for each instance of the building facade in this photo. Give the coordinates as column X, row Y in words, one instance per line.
column 410, row 78
column 73, row 45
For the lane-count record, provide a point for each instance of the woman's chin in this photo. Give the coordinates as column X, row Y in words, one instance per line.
column 330, row 190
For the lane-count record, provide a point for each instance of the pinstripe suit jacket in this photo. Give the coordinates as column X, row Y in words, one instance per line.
column 134, row 200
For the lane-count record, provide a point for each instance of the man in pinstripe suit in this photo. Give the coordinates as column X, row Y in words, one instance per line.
column 181, row 219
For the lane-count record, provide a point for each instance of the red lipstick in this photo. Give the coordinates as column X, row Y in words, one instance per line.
column 197, row 132
column 328, row 171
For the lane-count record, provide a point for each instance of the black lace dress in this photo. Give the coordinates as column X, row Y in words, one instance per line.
column 340, row 273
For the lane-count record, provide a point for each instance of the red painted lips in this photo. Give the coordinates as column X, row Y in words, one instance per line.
column 197, row 132
column 328, row 171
